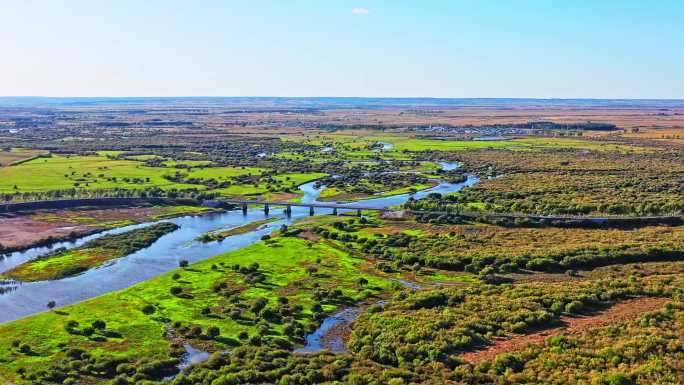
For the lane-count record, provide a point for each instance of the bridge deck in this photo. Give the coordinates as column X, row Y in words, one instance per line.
column 350, row 206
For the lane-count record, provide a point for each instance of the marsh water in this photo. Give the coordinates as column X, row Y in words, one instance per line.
column 324, row 338
column 23, row 299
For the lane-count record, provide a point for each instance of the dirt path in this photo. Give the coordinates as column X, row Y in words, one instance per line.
column 622, row 311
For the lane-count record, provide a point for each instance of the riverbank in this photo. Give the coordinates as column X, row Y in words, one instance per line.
column 223, row 234
column 66, row 263
column 35, row 228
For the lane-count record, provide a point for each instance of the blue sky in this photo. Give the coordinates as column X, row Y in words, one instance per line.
column 394, row 48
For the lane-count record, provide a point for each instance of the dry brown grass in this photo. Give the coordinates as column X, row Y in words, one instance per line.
column 8, row 158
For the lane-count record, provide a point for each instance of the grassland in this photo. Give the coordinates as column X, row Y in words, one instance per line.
column 99, row 172
column 402, row 143
column 339, row 195
column 285, row 182
column 86, row 172
column 283, row 263
column 357, row 146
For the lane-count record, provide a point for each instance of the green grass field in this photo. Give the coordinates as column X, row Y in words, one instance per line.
column 290, row 181
column 283, row 261
column 89, row 172
column 415, row 144
column 99, row 172
column 222, row 173
column 335, row 194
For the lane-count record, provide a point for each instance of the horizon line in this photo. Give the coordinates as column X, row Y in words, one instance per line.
column 338, row 97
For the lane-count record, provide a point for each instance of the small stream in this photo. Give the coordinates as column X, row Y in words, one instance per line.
column 326, row 337
column 330, row 335
column 22, row 299
column 192, row 356
column 386, row 146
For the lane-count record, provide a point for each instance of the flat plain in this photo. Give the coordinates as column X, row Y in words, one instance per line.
column 567, row 268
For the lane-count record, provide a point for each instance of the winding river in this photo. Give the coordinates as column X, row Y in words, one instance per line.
column 24, row 299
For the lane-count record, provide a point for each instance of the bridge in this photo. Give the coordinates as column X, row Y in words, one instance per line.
column 312, row 206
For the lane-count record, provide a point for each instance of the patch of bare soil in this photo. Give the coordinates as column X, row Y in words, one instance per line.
column 619, row 312
column 25, row 229
column 309, row 236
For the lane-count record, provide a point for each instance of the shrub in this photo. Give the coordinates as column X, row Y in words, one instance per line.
column 213, row 332
column 616, row 379
column 574, row 307
column 542, row 264
column 508, row 361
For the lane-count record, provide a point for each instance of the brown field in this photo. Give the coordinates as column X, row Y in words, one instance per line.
column 8, row 158
column 620, row 312
column 23, row 230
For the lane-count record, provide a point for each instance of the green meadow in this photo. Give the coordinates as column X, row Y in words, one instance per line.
column 59, row 172
column 294, row 269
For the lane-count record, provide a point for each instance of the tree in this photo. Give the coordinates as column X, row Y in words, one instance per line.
column 183, row 263
column 213, row 332
column 258, row 305
column 148, row 309
column 195, row 331
column 51, row 304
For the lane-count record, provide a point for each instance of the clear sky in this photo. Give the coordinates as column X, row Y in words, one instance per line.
column 394, row 48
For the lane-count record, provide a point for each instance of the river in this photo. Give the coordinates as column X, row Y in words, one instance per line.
column 25, row 299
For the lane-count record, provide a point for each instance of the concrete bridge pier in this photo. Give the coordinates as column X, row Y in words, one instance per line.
column 311, row 210
column 335, row 211
column 266, row 208
column 244, row 209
